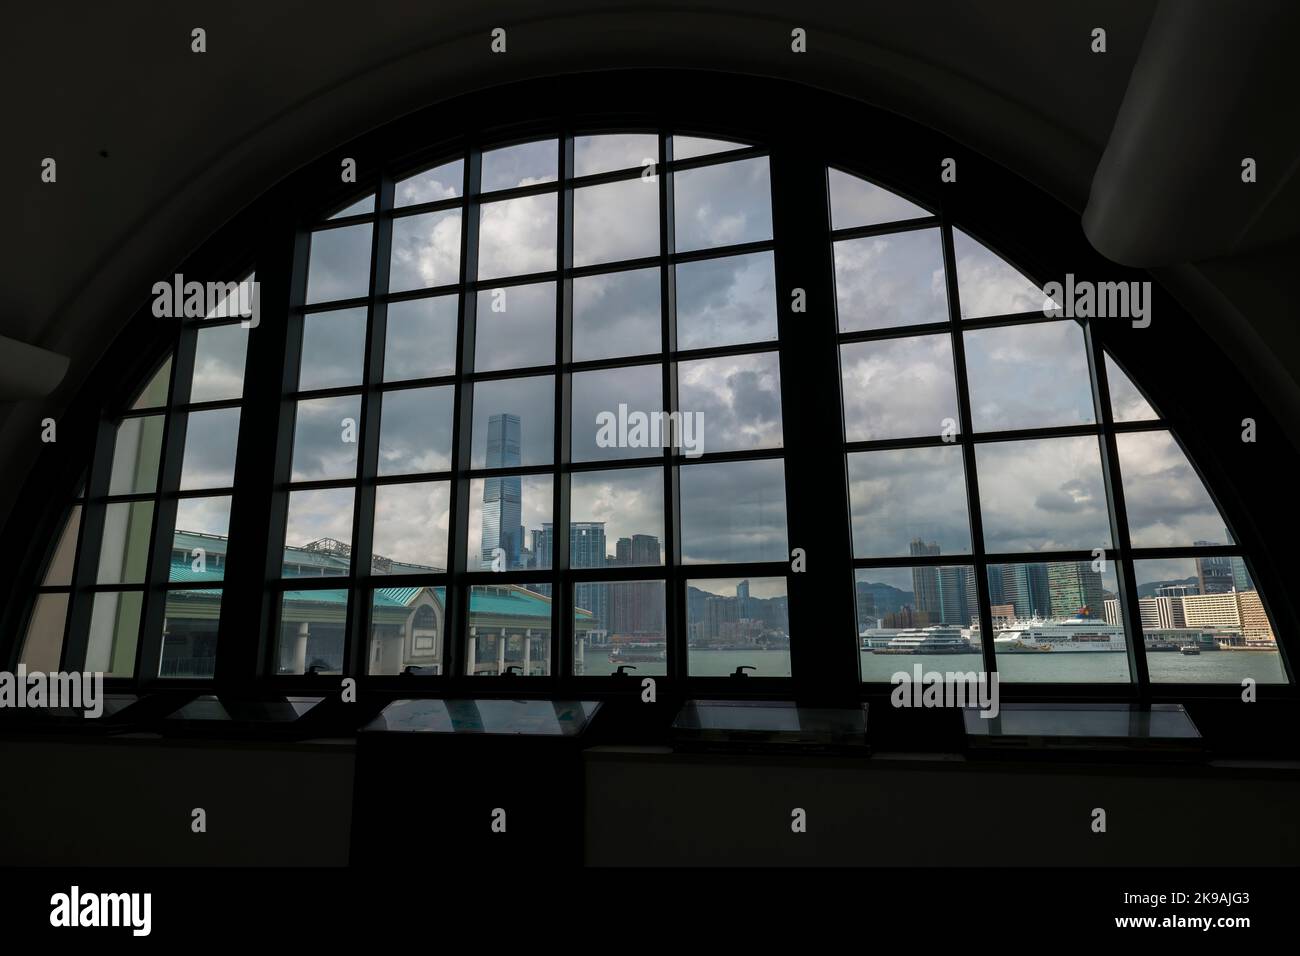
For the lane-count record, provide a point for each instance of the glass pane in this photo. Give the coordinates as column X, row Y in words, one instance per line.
column 235, row 299
column 124, row 550
column 616, row 518
column 909, row 501
column 364, row 205
column 1127, row 403
column 1060, row 622
column 415, row 430
column 219, row 354
column 407, row 628
column 618, row 413
column 43, row 643
column 325, row 438
column 722, row 205
column 733, row 622
column 58, row 573
column 318, row 532
column 190, row 633
column 733, row 511
column 509, row 630
column 616, row 221
column 1042, row 495
column 726, row 301
column 608, row 152
column 1029, row 376
column 333, row 349
column 733, row 403
column 313, row 631
column 200, row 539
column 114, row 632
column 517, row 237
column 426, row 251
column 905, row 611
column 514, row 422
column 421, row 338
column 515, row 327
column 340, row 264
column 523, row 165
column 136, row 450
column 689, row 147
column 510, row 524
column 619, row 624
column 432, row 185
column 616, row 314
column 857, row 202
column 1167, row 504
column 411, row 527
column 211, row 441
column 989, row 285
column 1199, row 629
column 899, row 388
column 154, row 394
column 886, row 281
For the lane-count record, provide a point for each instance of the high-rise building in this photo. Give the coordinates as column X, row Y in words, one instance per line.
column 1025, row 587
column 925, row 580
column 502, row 497
column 1214, row 574
column 1240, row 576
column 1162, row 612
column 586, row 550
column 1074, row 588
column 1111, row 606
column 636, row 608
column 995, row 584
column 742, row 599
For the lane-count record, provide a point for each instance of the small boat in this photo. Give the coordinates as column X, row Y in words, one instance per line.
column 1190, row 649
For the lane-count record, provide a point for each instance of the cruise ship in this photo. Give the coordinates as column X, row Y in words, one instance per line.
column 937, row 639
column 1075, row 635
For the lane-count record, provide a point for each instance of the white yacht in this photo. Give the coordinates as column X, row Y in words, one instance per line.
column 937, row 639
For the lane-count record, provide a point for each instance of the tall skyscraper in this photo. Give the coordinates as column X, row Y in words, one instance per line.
column 1074, row 588
column 995, row 584
column 925, row 580
column 742, row 599
column 1214, row 575
column 1025, row 587
column 502, row 497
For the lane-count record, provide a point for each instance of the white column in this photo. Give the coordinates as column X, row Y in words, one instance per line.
column 300, row 649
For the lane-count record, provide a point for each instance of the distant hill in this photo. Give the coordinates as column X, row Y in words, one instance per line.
column 887, row 597
column 1151, row 587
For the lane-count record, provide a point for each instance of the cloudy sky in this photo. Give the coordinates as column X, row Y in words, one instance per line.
column 515, row 327
column 1035, row 495
column 219, row 354
column 856, row 202
column 733, row 511
column 898, row 388
column 909, row 493
column 420, row 339
column 415, row 430
column 616, row 314
column 319, row 449
column 333, row 349
column 211, row 439
column 1042, row 495
column 1167, row 504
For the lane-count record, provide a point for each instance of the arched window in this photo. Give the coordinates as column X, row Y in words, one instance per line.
column 639, row 397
